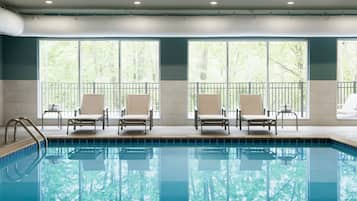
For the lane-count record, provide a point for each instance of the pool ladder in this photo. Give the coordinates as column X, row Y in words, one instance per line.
column 22, row 121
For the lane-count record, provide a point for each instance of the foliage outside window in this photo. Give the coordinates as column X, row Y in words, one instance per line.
column 277, row 70
column 71, row 68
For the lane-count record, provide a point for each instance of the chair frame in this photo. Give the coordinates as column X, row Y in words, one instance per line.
column 88, row 121
column 224, row 122
column 256, row 122
column 135, row 122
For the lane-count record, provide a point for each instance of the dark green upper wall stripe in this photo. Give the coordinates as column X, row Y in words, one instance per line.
column 323, row 58
column 173, row 58
column 1, row 59
column 19, row 58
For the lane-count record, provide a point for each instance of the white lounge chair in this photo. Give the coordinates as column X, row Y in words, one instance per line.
column 251, row 159
column 210, row 157
column 210, row 112
column 138, row 158
column 92, row 110
column 136, row 112
column 92, row 159
column 251, row 110
column 349, row 108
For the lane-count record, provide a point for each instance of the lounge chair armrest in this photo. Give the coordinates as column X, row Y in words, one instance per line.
column 122, row 111
column 224, row 112
column 196, row 117
column 77, row 111
column 105, row 111
column 239, row 113
column 151, row 113
column 266, row 112
column 238, row 117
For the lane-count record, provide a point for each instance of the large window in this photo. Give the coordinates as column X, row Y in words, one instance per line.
column 346, row 79
column 277, row 70
column 71, row 68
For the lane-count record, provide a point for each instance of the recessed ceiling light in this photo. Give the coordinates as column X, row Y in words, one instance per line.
column 48, row 2
column 213, row 3
column 290, row 3
column 137, row 2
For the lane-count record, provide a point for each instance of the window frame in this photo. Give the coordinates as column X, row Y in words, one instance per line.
column 267, row 42
column 79, row 40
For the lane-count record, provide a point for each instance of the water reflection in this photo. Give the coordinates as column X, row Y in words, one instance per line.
column 181, row 173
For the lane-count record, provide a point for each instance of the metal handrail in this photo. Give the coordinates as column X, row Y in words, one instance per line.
column 6, row 127
column 36, row 129
column 20, row 121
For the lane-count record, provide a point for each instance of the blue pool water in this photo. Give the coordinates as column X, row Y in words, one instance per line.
column 221, row 172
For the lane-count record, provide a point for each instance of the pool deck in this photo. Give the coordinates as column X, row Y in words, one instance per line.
column 345, row 135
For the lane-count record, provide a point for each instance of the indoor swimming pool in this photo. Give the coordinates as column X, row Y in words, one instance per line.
column 140, row 171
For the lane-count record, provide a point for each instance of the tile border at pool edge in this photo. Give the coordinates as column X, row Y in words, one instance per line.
column 15, row 147
column 332, row 140
column 340, row 139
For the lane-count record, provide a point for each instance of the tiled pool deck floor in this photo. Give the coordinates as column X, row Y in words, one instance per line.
column 346, row 135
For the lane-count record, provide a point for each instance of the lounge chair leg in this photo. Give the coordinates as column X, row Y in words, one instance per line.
column 229, row 130
column 103, row 123
column 276, row 129
column 240, row 124
column 282, row 120
column 107, row 120
column 237, row 118
column 296, row 121
column 248, row 127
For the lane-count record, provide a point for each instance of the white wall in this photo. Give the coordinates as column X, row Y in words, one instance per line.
column 193, row 26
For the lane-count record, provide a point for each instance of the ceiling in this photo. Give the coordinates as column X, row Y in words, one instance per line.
column 62, row 5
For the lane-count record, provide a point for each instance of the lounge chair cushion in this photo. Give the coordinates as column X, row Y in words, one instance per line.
column 136, row 117
column 211, row 117
column 89, row 117
column 350, row 105
column 256, row 117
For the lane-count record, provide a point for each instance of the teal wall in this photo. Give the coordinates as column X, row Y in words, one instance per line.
column 19, row 58
column 173, row 58
column 1, row 60
column 323, row 58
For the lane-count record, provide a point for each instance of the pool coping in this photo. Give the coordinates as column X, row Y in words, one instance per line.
column 334, row 140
